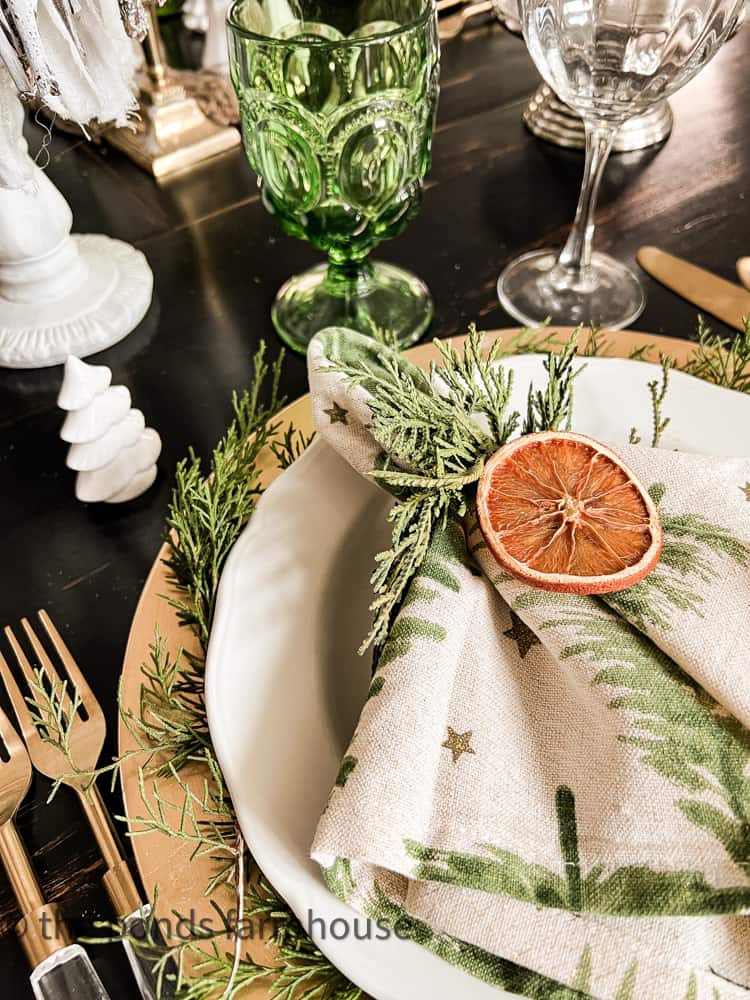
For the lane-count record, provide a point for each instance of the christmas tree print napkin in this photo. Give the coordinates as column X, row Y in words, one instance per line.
column 552, row 790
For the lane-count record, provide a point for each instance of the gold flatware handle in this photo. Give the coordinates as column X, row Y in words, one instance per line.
column 118, row 879
column 41, row 929
column 123, row 894
column 723, row 299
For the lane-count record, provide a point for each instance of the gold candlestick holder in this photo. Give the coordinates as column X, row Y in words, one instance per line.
column 172, row 134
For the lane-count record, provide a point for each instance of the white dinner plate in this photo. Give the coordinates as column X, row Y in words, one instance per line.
column 284, row 684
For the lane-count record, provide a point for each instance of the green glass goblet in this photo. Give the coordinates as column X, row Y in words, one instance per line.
column 337, row 100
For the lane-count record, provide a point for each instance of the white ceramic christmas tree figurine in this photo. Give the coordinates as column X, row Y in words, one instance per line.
column 111, row 449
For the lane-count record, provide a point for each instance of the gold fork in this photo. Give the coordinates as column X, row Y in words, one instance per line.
column 85, row 742
column 60, row 969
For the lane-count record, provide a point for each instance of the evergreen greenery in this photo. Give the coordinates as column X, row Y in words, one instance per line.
column 724, row 362
column 207, row 512
column 437, row 430
column 53, row 709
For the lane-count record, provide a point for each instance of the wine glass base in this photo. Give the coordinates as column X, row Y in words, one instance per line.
column 383, row 301
column 533, row 289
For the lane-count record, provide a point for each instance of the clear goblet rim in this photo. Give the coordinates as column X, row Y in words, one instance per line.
column 427, row 14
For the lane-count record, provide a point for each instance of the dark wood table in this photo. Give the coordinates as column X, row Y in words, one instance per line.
column 218, row 259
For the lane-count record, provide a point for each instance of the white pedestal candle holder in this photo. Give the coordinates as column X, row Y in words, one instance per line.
column 59, row 294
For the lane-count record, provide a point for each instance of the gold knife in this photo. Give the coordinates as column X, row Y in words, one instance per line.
column 723, row 299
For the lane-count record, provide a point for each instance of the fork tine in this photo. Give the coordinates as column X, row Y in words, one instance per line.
column 46, row 665
column 17, row 700
column 87, row 696
column 18, row 780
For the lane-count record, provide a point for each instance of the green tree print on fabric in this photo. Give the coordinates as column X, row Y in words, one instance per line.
column 418, row 593
column 447, row 550
column 626, row 989
column 490, row 968
column 634, row 890
column 347, row 766
column 684, row 734
column 690, row 540
column 339, row 879
column 582, row 979
column 376, row 687
column 404, row 633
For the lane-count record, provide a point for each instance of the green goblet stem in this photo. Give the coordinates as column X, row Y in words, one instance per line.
column 349, row 280
column 376, row 299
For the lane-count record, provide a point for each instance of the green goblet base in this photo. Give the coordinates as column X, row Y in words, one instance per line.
column 376, row 299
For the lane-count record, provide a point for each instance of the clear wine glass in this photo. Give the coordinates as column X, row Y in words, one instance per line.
column 610, row 60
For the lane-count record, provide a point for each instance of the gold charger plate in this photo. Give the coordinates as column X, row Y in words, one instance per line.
column 162, row 861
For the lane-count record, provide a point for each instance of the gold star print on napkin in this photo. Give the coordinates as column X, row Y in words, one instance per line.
column 458, row 743
column 746, row 490
column 521, row 634
column 337, row 414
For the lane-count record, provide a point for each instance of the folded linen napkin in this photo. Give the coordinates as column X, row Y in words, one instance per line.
column 552, row 790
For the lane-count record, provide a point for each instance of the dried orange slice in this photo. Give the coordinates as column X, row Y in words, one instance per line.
column 563, row 512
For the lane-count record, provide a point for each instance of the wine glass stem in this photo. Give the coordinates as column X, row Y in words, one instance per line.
column 349, row 280
column 576, row 254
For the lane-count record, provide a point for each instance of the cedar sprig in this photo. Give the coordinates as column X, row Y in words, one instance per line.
column 431, row 434
column 413, row 522
column 299, row 971
column 53, row 707
column 288, row 449
column 384, row 335
column 540, row 340
column 658, row 391
column 477, row 385
column 596, row 344
column 171, row 720
column 427, row 422
column 440, row 428
column 206, row 517
column 551, row 408
column 203, row 817
column 207, row 510
column 722, row 361
column 169, row 729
